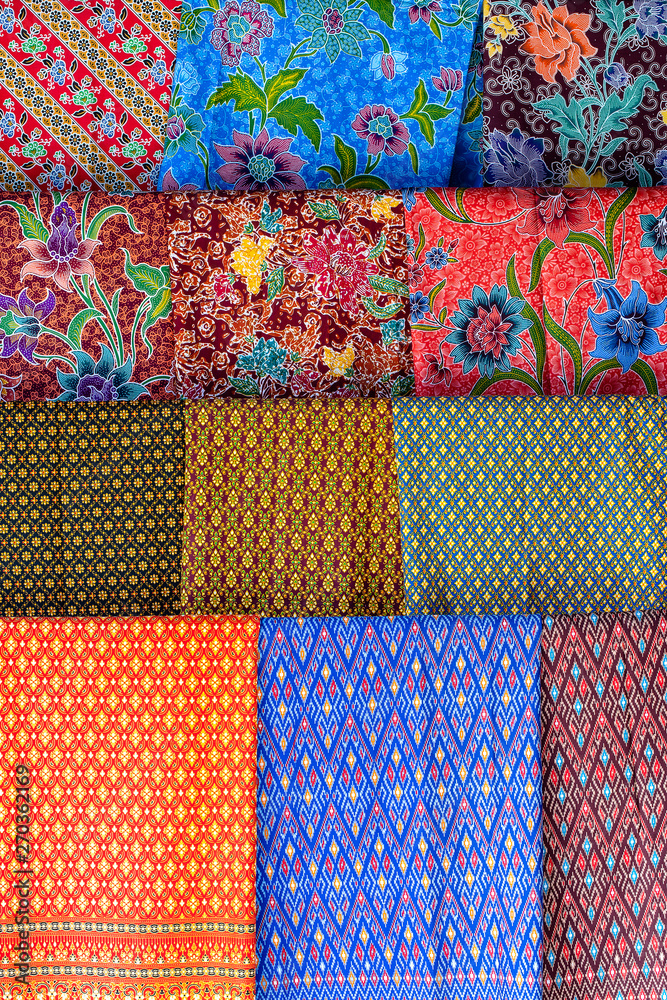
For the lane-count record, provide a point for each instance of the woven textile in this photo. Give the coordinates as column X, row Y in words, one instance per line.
column 291, row 507
column 545, row 505
column 295, row 94
column 518, row 292
column 94, row 507
column 290, row 295
column 85, row 91
column 604, row 746
column 85, row 302
column 139, row 736
column 399, row 810
column 573, row 93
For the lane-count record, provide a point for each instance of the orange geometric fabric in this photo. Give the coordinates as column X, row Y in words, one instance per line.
column 140, row 737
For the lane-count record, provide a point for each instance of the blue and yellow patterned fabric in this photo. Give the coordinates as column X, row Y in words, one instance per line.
column 399, row 809
column 532, row 504
column 295, row 94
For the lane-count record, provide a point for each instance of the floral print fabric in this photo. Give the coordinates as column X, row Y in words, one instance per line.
column 295, row 94
column 291, row 506
column 547, row 291
column 94, row 509
column 542, row 505
column 85, row 302
column 575, row 93
column 84, row 93
column 290, row 295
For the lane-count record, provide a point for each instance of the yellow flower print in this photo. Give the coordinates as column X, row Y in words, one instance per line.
column 382, row 207
column 577, row 177
column 338, row 362
column 663, row 115
column 248, row 258
column 494, row 48
column 503, row 26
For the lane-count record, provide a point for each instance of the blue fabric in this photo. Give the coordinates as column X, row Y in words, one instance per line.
column 467, row 166
column 399, row 809
column 293, row 76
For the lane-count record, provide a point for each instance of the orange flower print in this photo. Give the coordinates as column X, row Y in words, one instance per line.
column 557, row 41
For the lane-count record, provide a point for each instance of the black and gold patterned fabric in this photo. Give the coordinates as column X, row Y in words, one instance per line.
column 93, row 519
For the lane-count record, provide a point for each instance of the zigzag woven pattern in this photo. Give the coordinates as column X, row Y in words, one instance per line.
column 540, row 504
column 399, row 814
column 604, row 742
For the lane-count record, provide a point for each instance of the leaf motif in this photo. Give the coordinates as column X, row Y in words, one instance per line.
column 378, row 248
column 438, row 204
column 31, row 226
column 536, row 330
column 390, row 285
column 193, row 26
column 324, row 210
column 144, row 277
column 384, row 10
column 107, row 213
column 567, row 341
column 513, row 375
column 610, row 13
column 616, row 109
column 595, row 244
column 347, row 157
column 414, row 156
column 284, row 80
column 616, row 209
column 77, row 323
column 434, row 292
column 422, row 242
column 472, row 110
column 382, row 312
column 115, row 300
column 295, row 113
column 568, row 117
column 246, row 386
column 404, row 385
column 437, row 112
column 242, row 89
column 647, row 375
column 274, row 283
column 362, row 181
column 278, row 6
column 159, row 308
column 543, row 250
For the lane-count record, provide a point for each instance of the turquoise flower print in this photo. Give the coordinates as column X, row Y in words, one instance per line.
column 655, row 233
column 334, row 27
column 487, row 330
column 267, row 358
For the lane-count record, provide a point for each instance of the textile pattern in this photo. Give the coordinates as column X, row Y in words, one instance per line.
column 290, row 295
column 295, row 94
column 604, row 743
column 85, row 303
column 554, row 292
column 399, row 810
column 291, row 506
column 139, row 736
column 94, row 512
column 574, row 94
column 540, row 505
column 468, row 163
column 84, row 88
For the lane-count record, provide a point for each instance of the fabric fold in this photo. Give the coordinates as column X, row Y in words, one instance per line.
column 399, row 808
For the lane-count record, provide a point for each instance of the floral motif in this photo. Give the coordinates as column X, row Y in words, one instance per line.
column 449, row 79
column 651, row 18
column 424, row 9
column 488, row 327
column 260, row 164
column 239, row 29
column 334, row 27
column 388, row 64
column 655, row 233
column 628, row 327
column 98, row 383
column 382, row 130
column 436, row 372
column 63, row 254
column 515, row 160
column 341, row 266
column 557, row 41
column 21, row 323
column 554, row 212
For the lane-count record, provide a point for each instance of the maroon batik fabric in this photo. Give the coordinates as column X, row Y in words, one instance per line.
column 604, row 760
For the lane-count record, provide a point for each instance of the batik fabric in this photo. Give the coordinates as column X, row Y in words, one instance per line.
column 139, row 736
column 574, row 93
column 399, row 808
column 295, row 94
column 291, row 507
column 468, row 162
column 93, row 509
column 290, row 295
column 85, row 301
column 522, row 292
column 84, row 89
column 546, row 505
column 604, row 748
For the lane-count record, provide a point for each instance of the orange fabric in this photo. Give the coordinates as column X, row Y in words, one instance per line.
column 140, row 736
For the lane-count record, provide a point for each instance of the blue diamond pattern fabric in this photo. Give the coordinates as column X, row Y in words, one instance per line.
column 399, row 809
column 551, row 505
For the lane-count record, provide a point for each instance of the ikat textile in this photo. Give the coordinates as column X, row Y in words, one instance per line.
column 85, row 302
column 399, row 810
column 604, row 747
column 139, row 738
column 303, row 94
column 575, row 93
column 291, row 506
column 290, row 294
column 93, row 508
column 84, row 88
column 540, row 505
column 548, row 292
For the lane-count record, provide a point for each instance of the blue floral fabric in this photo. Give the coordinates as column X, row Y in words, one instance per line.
column 295, row 94
column 399, row 809
column 467, row 166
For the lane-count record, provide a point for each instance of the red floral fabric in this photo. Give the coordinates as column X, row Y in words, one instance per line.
column 546, row 291
column 84, row 93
